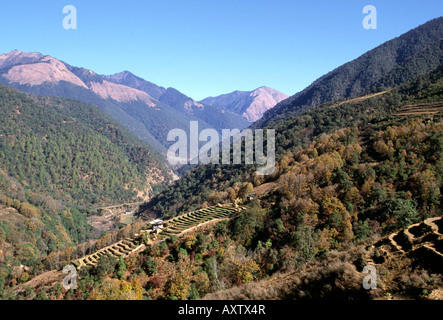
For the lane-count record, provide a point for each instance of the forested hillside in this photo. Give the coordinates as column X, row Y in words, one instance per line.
column 363, row 124
column 391, row 64
column 74, row 151
column 348, row 173
column 60, row 159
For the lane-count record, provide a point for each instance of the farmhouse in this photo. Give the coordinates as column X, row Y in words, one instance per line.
column 157, row 224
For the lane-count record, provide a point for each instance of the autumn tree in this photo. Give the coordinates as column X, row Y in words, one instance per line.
column 179, row 280
column 113, row 289
column 239, row 266
column 403, row 211
column 28, row 210
column 245, row 189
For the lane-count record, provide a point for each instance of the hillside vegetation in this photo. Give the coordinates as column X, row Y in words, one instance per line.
column 360, row 123
column 73, row 150
column 391, row 64
column 350, row 176
column 60, row 159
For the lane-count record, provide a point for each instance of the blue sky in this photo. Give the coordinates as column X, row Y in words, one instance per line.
column 210, row 47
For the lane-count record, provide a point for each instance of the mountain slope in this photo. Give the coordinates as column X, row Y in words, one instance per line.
column 60, row 160
column 392, row 63
column 128, row 79
column 217, row 117
column 74, row 151
column 350, row 177
column 197, row 186
column 147, row 117
column 295, row 127
column 250, row 105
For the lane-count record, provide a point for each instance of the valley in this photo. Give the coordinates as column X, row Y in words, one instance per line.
column 109, row 218
column 86, row 181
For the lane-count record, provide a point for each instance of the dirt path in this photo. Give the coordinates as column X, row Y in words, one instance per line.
column 47, row 278
column 431, row 222
column 358, row 99
column 121, row 205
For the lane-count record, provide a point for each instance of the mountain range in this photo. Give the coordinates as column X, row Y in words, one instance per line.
column 148, row 110
column 250, row 104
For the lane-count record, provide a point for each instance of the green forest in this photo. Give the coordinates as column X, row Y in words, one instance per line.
column 73, row 150
column 60, row 160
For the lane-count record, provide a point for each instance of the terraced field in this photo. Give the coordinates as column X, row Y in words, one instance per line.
column 176, row 226
column 435, row 108
column 422, row 242
column 194, row 219
column 122, row 248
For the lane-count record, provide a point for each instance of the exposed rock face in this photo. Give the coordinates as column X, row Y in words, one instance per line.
column 15, row 57
column 119, row 92
column 128, row 79
column 264, row 98
column 30, row 68
column 191, row 103
column 45, row 69
column 249, row 104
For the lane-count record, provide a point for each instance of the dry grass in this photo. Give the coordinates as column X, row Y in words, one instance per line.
column 334, row 276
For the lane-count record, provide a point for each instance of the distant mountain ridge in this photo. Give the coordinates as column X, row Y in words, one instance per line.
column 217, row 117
column 18, row 57
column 148, row 110
column 249, row 104
column 129, row 79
